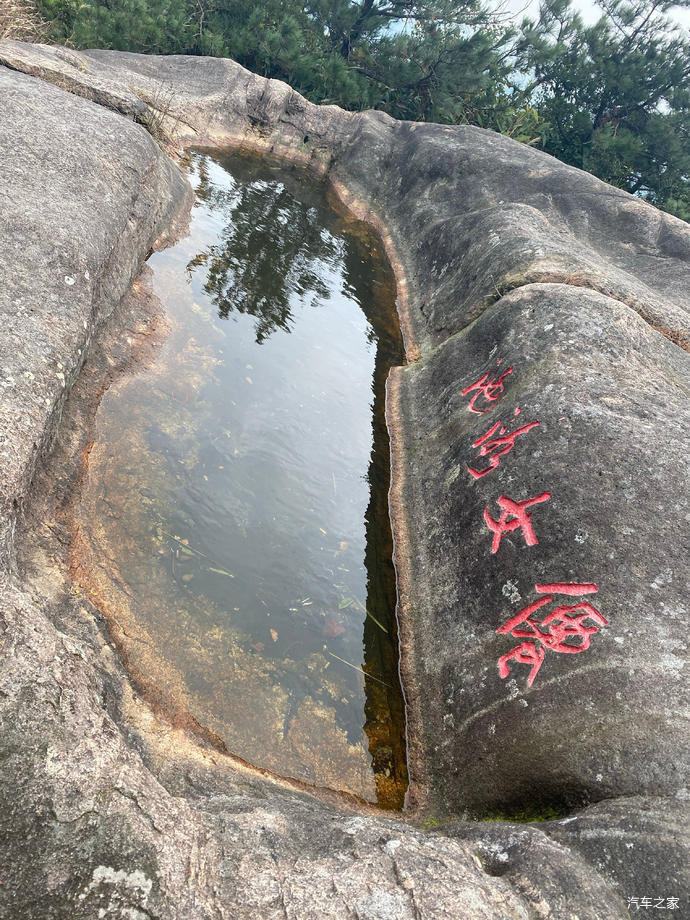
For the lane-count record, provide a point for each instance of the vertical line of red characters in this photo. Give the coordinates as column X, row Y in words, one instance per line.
column 568, row 627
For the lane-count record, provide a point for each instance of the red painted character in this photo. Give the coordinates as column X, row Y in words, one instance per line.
column 487, row 387
column 497, row 445
column 527, row 653
column 563, row 630
column 514, row 515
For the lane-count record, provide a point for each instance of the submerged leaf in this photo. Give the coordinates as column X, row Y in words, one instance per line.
column 332, row 628
column 221, row 572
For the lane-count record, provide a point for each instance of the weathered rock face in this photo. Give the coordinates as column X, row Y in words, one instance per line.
column 527, row 285
column 89, row 831
column 597, row 399
column 85, row 194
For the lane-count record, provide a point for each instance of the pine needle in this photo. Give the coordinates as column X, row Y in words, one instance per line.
column 372, row 617
column 350, row 665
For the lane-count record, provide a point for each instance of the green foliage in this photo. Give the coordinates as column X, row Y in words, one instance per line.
column 418, row 60
column 61, row 15
column 147, row 26
column 612, row 98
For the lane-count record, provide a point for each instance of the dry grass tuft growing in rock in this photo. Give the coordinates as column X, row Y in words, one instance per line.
column 21, row 21
column 160, row 121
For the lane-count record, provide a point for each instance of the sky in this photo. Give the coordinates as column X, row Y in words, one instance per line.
column 589, row 11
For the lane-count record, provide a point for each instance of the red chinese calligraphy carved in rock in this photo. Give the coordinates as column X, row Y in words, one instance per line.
column 488, row 387
column 497, row 441
column 513, row 515
column 564, row 630
column 527, row 653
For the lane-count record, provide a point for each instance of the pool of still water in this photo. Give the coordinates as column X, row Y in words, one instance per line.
column 235, row 501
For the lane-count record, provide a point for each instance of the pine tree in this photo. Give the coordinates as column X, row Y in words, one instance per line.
column 147, row 26
column 614, row 97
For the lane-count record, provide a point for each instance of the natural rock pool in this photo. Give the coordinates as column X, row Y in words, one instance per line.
column 233, row 519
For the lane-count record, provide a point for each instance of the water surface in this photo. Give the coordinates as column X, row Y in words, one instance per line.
column 235, row 506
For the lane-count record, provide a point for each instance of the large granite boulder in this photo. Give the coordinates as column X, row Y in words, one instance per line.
column 542, row 644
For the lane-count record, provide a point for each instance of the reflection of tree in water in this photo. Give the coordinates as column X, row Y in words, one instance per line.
column 272, row 246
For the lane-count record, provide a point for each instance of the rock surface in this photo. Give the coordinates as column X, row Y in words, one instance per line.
column 501, row 255
column 85, row 195
column 608, row 395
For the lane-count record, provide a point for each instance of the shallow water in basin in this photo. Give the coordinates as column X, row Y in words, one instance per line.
column 234, row 518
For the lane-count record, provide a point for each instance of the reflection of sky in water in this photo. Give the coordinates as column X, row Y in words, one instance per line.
column 258, row 437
